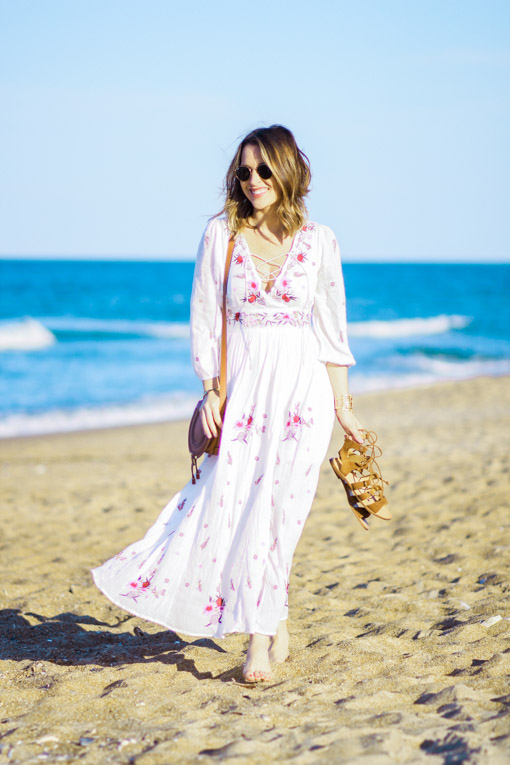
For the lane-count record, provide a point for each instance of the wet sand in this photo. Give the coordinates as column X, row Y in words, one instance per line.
column 400, row 646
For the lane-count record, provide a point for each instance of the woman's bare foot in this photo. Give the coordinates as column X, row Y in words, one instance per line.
column 279, row 647
column 257, row 668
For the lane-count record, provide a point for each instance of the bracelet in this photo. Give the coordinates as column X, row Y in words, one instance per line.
column 343, row 403
column 216, row 390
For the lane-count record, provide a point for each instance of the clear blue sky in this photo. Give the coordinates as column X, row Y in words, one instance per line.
column 119, row 118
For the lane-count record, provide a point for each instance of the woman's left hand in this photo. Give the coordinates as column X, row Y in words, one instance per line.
column 351, row 425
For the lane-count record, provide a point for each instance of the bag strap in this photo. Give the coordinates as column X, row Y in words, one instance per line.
column 223, row 363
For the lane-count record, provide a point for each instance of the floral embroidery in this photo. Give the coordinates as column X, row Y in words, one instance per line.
column 214, row 609
column 294, row 424
column 253, row 295
column 244, row 426
column 285, row 295
column 142, row 586
column 268, row 318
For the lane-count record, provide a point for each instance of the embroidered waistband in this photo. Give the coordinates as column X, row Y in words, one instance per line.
column 268, row 318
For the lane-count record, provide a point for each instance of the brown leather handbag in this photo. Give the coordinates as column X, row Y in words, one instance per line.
column 198, row 442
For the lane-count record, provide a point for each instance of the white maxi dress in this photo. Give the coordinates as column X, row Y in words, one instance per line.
column 218, row 557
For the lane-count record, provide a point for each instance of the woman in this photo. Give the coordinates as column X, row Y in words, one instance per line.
column 218, row 558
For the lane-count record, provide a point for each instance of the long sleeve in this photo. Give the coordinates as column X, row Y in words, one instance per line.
column 329, row 315
column 206, row 300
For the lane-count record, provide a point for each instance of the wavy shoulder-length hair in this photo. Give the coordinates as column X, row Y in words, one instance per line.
column 291, row 175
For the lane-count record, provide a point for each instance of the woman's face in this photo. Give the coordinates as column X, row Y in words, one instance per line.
column 261, row 193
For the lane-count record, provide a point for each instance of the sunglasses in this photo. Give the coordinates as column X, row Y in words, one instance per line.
column 243, row 172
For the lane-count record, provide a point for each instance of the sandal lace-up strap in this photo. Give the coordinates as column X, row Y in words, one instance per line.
column 357, row 467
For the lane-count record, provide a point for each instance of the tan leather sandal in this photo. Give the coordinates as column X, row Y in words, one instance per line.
column 357, row 467
column 359, row 511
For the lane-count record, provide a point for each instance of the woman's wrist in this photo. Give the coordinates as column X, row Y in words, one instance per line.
column 211, row 390
column 343, row 403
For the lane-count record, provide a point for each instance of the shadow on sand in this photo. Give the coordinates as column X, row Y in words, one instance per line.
column 61, row 640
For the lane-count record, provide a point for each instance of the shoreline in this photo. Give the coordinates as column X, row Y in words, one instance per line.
column 165, row 422
column 399, row 635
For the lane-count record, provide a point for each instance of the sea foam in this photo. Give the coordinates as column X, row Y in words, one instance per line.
column 25, row 334
column 433, row 325
column 176, row 406
column 78, row 324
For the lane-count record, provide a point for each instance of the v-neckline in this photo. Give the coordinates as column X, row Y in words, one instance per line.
column 284, row 264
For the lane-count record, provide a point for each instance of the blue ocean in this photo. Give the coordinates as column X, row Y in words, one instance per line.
column 86, row 344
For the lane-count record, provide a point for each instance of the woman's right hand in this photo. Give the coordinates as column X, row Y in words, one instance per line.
column 210, row 413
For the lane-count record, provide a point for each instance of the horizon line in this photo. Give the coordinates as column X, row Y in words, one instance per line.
column 368, row 259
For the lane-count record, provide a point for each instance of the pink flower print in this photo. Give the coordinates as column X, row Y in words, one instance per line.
column 244, row 426
column 294, row 424
column 180, row 506
column 237, row 316
column 273, row 546
column 239, row 259
column 139, row 587
column 308, row 227
column 285, row 295
column 301, row 257
column 229, row 458
column 204, row 544
column 214, row 609
column 254, row 295
column 259, row 479
column 121, row 556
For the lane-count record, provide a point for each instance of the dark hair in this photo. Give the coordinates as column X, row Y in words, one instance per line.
column 291, row 173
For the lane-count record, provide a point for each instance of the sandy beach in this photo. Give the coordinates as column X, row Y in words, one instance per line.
column 399, row 635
